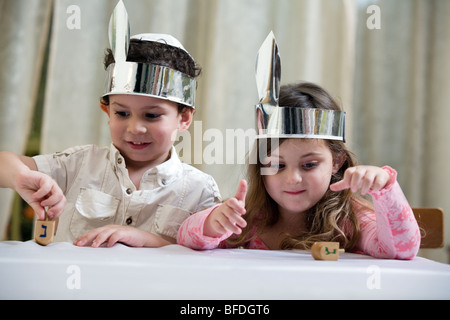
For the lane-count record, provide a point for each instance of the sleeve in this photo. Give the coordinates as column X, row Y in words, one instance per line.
column 63, row 167
column 210, row 194
column 191, row 234
column 391, row 230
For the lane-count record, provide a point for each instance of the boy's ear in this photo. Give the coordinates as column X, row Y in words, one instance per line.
column 186, row 117
column 105, row 108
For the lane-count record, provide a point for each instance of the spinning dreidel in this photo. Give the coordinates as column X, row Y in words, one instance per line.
column 326, row 250
column 44, row 230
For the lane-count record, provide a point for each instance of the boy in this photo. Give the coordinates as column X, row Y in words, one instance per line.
column 137, row 191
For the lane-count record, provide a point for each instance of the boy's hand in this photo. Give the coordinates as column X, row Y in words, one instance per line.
column 39, row 191
column 112, row 234
column 227, row 217
column 363, row 178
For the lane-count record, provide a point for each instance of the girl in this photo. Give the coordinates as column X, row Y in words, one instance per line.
column 310, row 196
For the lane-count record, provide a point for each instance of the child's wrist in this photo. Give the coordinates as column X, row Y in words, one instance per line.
column 392, row 176
column 20, row 173
column 208, row 229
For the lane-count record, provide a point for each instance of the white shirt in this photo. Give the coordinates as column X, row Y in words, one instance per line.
column 100, row 192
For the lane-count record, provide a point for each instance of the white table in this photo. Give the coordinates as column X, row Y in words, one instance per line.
column 64, row 271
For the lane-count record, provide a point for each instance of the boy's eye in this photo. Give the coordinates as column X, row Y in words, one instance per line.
column 122, row 114
column 152, row 115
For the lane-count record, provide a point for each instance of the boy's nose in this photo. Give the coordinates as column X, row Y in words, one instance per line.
column 135, row 126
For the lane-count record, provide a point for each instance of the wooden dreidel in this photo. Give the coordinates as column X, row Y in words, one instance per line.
column 44, row 231
column 326, row 250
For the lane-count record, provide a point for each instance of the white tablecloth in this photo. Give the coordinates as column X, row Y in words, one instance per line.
column 64, row 271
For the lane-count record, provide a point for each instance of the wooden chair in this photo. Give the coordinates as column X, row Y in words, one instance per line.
column 431, row 224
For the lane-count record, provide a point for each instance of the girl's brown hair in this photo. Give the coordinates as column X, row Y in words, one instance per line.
column 332, row 218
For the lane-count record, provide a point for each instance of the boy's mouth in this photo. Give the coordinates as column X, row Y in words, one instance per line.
column 138, row 145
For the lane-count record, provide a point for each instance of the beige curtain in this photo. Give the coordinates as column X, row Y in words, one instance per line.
column 393, row 81
column 402, row 99
column 24, row 29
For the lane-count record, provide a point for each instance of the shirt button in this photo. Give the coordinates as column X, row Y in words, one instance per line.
column 119, row 161
column 129, row 221
column 129, row 191
column 163, row 181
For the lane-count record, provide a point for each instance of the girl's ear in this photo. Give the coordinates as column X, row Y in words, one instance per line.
column 339, row 161
column 186, row 117
column 105, row 108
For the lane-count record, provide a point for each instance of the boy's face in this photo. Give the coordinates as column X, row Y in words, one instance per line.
column 144, row 128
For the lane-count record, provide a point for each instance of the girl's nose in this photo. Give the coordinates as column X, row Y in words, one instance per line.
column 294, row 176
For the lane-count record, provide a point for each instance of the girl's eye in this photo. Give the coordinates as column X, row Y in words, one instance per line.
column 273, row 168
column 278, row 166
column 275, row 165
column 310, row 165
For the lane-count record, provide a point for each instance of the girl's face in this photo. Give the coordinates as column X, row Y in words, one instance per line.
column 301, row 174
column 144, row 128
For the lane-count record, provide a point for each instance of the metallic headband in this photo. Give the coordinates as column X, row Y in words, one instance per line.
column 145, row 79
column 150, row 80
column 290, row 122
column 274, row 121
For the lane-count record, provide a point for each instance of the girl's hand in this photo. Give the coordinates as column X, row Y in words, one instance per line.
column 227, row 217
column 112, row 234
column 363, row 178
column 39, row 191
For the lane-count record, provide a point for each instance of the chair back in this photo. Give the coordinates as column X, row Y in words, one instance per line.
column 431, row 224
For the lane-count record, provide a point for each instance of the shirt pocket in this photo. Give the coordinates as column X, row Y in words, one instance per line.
column 168, row 219
column 93, row 209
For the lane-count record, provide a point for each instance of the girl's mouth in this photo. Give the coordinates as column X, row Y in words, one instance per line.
column 295, row 192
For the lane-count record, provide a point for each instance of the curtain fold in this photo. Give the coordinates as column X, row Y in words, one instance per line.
column 24, row 29
column 401, row 99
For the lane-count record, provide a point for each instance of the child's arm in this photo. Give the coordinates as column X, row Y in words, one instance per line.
column 207, row 228
column 391, row 231
column 36, row 188
column 112, row 234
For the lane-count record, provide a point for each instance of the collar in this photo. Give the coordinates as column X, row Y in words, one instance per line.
column 166, row 172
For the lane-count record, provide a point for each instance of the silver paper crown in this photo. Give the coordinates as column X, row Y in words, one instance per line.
column 145, row 79
column 274, row 121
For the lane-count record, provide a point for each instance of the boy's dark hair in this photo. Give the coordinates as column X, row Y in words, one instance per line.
column 159, row 54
